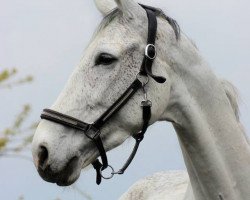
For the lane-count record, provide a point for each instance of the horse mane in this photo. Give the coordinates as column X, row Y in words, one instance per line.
column 233, row 97
column 116, row 12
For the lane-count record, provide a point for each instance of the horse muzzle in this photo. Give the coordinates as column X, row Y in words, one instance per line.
column 65, row 177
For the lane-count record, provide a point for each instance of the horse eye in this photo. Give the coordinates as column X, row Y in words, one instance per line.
column 105, row 59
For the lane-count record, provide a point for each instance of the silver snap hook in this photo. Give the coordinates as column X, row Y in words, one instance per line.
column 142, row 78
column 111, row 173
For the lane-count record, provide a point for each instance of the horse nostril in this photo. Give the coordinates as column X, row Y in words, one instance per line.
column 42, row 156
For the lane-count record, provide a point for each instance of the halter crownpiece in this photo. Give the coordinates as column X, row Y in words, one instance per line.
column 93, row 131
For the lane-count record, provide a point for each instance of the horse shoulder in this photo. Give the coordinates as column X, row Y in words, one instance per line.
column 170, row 185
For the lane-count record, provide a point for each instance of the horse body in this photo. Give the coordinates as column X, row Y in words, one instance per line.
column 170, row 185
column 193, row 99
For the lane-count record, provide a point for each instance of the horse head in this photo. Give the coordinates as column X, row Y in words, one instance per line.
column 110, row 64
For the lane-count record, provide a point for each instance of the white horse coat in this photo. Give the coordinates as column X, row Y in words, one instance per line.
column 202, row 109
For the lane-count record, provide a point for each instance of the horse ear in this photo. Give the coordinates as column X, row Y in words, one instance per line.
column 130, row 9
column 105, row 6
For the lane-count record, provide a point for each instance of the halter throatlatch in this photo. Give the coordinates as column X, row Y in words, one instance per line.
column 93, row 131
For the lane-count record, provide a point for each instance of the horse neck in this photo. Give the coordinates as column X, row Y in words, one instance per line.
column 215, row 149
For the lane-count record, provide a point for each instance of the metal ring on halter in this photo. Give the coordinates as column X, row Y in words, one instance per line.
column 111, row 174
column 147, row 51
column 143, row 79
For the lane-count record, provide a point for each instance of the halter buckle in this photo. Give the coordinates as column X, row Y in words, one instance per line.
column 146, row 103
column 150, row 51
column 92, row 132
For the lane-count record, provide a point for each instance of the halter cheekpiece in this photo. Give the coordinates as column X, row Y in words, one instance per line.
column 93, row 131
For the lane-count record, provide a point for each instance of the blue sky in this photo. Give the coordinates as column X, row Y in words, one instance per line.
column 46, row 38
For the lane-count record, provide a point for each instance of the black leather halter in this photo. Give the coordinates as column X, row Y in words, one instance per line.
column 93, row 131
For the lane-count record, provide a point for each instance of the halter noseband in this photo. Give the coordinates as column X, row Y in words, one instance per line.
column 93, row 131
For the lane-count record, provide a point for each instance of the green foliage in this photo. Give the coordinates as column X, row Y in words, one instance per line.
column 17, row 132
column 3, row 142
column 6, row 78
column 6, row 74
column 18, row 137
column 22, row 116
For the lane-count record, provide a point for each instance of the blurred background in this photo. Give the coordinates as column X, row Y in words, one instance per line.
column 40, row 44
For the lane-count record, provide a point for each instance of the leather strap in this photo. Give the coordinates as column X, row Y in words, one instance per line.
column 146, row 68
column 113, row 109
column 99, row 145
column 146, row 114
column 63, row 119
column 98, row 167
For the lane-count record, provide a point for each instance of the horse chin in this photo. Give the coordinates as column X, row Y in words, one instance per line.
column 65, row 177
column 68, row 181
